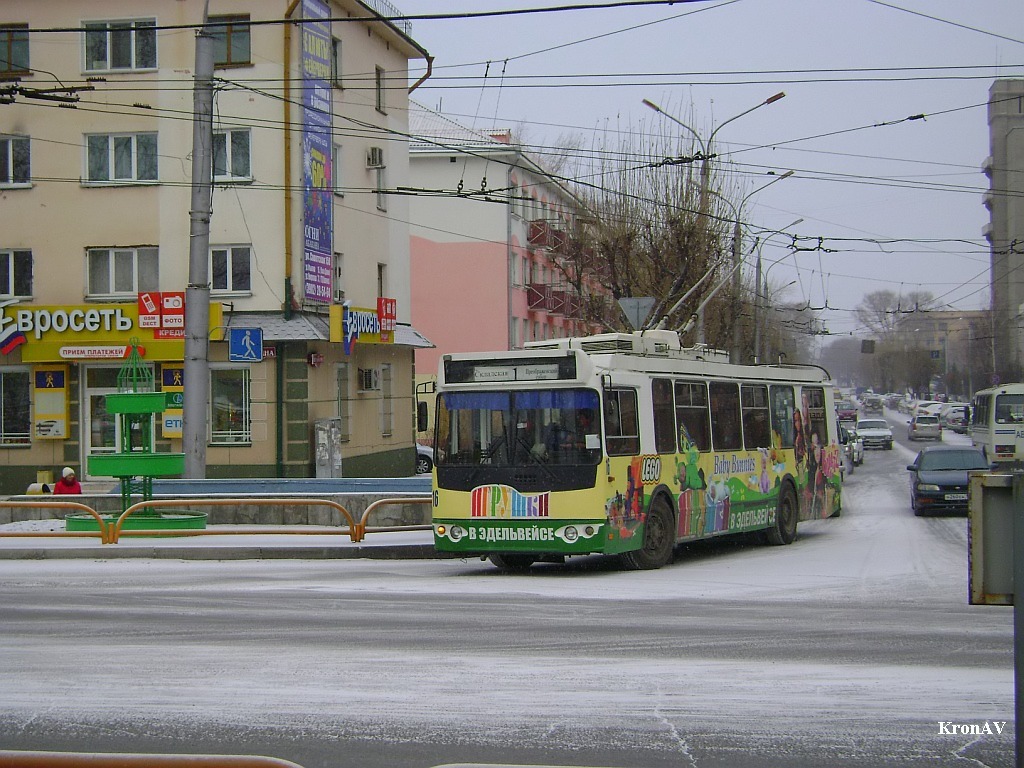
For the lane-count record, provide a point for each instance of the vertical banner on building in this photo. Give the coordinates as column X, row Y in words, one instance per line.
column 172, row 381
column 50, row 396
column 316, row 151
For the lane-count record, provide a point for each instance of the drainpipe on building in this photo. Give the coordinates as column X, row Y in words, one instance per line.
column 279, row 406
column 279, row 347
column 428, row 73
column 512, row 256
column 288, row 161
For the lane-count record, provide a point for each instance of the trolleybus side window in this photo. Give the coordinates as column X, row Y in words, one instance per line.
column 620, row 422
column 692, row 418
column 814, row 405
column 756, row 430
column 982, row 404
column 783, row 408
column 664, row 418
column 1009, row 409
column 725, row 416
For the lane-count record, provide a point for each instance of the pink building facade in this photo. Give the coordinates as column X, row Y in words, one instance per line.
column 487, row 229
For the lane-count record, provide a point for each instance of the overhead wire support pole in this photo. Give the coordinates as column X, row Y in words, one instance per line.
column 197, row 293
column 706, row 152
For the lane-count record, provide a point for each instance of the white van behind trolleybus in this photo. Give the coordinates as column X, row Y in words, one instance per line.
column 997, row 423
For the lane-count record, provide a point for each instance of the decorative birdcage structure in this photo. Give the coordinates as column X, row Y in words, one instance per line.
column 136, row 464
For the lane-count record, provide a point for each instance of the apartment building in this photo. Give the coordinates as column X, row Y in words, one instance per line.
column 490, row 245
column 308, row 269
column 1005, row 230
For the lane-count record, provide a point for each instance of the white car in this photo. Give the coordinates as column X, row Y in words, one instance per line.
column 853, row 445
column 424, row 459
column 876, row 433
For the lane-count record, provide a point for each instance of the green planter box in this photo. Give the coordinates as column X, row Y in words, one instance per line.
column 140, row 521
column 137, row 464
column 137, row 402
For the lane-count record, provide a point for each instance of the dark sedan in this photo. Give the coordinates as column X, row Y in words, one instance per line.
column 938, row 478
column 846, row 411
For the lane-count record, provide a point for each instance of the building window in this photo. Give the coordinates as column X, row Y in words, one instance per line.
column 121, row 157
column 339, row 277
column 13, row 49
column 387, row 409
column 231, row 41
column 344, row 402
column 379, row 88
column 15, row 161
column 230, row 419
column 382, row 196
column 230, row 269
column 15, row 397
column 112, row 45
column 121, row 272
column 231, row 155
column 336, row 62
column 382, row 280
column 15, row 273
column 336, row 170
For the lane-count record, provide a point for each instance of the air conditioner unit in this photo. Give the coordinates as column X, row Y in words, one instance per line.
column 375, row 157
column 369, row 379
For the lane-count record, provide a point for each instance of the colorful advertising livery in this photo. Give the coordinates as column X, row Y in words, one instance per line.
column 525, row 472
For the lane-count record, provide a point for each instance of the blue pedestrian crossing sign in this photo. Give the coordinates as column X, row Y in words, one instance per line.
column 245, row 345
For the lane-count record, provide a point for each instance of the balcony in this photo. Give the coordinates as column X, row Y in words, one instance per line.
column 542, row 235
column 539, row 297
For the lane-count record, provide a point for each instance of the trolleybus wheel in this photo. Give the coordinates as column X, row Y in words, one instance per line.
column 659, row 539
column 512, row 562
column 786, row 516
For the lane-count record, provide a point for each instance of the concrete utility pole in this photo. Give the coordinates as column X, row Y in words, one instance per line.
column 197, row 293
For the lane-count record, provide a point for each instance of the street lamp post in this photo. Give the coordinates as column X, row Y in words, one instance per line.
column 737, row 277
column 705, row 180
column 757, row 288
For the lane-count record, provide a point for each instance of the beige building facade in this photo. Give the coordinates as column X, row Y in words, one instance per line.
column 1005, row 231
column 308, row 251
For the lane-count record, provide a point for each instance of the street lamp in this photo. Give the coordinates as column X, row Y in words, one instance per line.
column 737, row 260
column 734, row 355
column 757, row 288
column 705, row 178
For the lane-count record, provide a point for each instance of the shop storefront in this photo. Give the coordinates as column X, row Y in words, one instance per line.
column 59, row 363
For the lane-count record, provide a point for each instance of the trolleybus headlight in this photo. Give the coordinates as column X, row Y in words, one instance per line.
column 570, row 534
column 456, row 533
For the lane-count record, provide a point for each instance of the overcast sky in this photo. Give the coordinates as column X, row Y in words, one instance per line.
column 847, row 67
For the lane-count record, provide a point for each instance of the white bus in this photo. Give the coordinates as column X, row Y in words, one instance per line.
column 997, row 423
column 626, row 444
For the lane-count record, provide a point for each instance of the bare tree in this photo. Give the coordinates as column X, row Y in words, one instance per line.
column 883, row 311
column 650, row 230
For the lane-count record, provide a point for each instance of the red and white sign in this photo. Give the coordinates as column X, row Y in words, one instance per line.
column 149, row 309
column 162, row 309
column 97, row 352
column 172, row 307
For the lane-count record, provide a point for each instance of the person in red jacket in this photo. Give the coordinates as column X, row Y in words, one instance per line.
column 67, row 483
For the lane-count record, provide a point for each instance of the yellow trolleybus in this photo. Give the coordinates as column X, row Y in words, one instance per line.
column 626, row 444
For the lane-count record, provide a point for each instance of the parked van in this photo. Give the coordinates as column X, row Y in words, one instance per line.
column 997, row 423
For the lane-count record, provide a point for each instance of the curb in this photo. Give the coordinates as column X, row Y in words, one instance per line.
column 112, row 552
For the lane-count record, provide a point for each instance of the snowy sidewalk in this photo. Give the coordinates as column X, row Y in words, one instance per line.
column 219, row 542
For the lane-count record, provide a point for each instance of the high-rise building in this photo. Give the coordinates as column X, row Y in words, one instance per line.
column 1005, row 232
